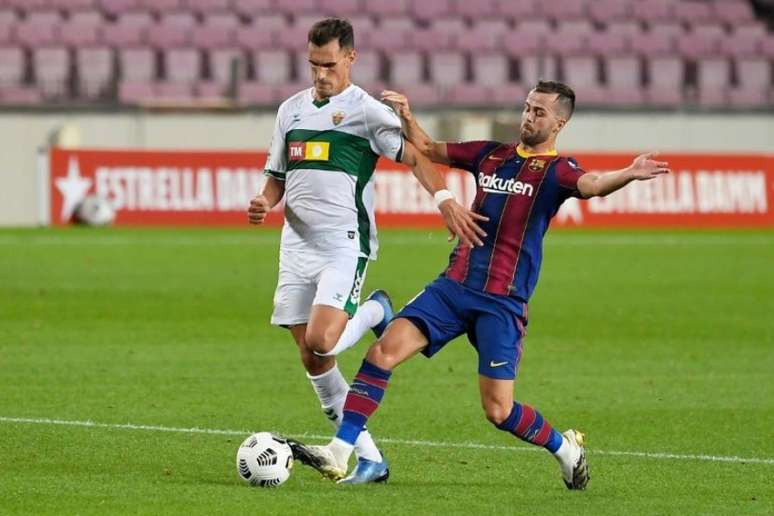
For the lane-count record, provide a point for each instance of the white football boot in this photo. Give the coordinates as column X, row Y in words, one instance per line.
column 575, row 470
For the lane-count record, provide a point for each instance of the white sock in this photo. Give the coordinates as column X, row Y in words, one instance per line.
column 566, row 454
column 331, row 389
column 341, row 450
column 368, row 315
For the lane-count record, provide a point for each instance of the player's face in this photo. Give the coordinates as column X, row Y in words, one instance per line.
column 539, row 119
column 331, row 67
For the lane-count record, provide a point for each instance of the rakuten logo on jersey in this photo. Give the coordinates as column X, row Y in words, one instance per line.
column 495, row 184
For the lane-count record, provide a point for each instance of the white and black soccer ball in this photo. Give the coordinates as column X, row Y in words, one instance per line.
column 95, row 211
column 264, row 460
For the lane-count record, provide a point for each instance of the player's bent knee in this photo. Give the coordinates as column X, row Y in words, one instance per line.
column 496, row 413
column 321, row 341
column 380, row 356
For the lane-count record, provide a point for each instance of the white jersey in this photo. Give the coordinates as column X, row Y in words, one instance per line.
column 326, row 152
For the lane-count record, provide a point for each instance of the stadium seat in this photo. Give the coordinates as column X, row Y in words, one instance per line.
column 95, row 71
column 208, row 36
column 222, row 60
column 32, row 34
column 137, row 19
column 367, row 69
column 11, row 66
column 740, row 45
column 582, row 73
column 423, row 95
column 137, row 65
column 713, row 79
column 606, row 11
column 294, row 7
column 384, row 8
column 511, row 95
column 164, row 36
column 479, row 39
column 250, row 37
column 294, row 38
column 185, row 19
column 651, row 44
column 271, row 66
column 20, row 95
column 428, row 10
column 569, row 38
column 624, row 80
column 51, row 69
column 447, row 67
column 163, row 6
column 696, row 45
column 476, row 10
column 389, row 40
column 251, row 93
column 205, row 7
column 344, row 8
column 490, row 69
column 518, row 10
column 564, row 9
column 693, row 11
column 182, row 65
column 251, row 8
column 122, row 34
column 521, row 43
column 118, row 7
column 405, row 67
column 429, row 40
column 652, row 10
column 72, row 6
column 174, row 92
column 468, row 94
column 666, row 77
column 604, row 43
column 75, row 34
column 733, row 11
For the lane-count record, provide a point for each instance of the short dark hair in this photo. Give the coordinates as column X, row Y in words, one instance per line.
column 566, row 98
column 325, row 31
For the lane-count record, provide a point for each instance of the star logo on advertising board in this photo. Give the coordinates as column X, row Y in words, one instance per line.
column 73, row 188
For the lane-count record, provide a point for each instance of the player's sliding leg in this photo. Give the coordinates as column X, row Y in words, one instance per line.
column 331, row 389
column 530, row 426
column 374, row 314
column 400, row 341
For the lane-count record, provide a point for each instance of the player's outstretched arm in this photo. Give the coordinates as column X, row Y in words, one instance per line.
column 461, row 222
column 435, row 151
column 261, row 204
column 643, row 168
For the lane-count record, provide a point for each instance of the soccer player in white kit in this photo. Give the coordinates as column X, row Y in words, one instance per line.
column 326, row 142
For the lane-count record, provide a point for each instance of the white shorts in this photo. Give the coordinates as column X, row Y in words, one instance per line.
column 307, row 278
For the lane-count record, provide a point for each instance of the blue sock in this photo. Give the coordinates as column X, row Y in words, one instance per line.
column 365, row 395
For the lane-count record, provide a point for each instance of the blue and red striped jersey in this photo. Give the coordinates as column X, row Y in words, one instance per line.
column 519, row 193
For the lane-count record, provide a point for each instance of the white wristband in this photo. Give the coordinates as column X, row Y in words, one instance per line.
column 441, row 196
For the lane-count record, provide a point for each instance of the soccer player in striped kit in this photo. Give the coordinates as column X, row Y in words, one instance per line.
column 484, row 291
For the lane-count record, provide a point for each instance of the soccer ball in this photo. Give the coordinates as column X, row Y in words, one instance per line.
column 264, row 460
column 95, row 211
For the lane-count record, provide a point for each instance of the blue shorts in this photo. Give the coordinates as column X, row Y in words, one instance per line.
column 446, row 309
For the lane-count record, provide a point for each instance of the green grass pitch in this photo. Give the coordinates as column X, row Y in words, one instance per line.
column 659, row 345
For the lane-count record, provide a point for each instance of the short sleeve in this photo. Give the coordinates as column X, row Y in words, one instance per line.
column 567, row 174
column 467, row 155
column 384, row 130
column 276, row 161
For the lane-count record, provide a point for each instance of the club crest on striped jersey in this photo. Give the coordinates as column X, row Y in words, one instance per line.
column 337, row 117
column 308, row 151
column 536, row 165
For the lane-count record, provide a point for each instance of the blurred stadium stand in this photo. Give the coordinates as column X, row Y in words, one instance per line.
column 714, row 54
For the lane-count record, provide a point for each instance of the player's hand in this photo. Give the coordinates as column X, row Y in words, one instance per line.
column 259, row 208
column 462, row 223
column 644, row 167
column 399, row 103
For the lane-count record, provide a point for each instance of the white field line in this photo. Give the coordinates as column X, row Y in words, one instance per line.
column 406, row 442
column 429, row 239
